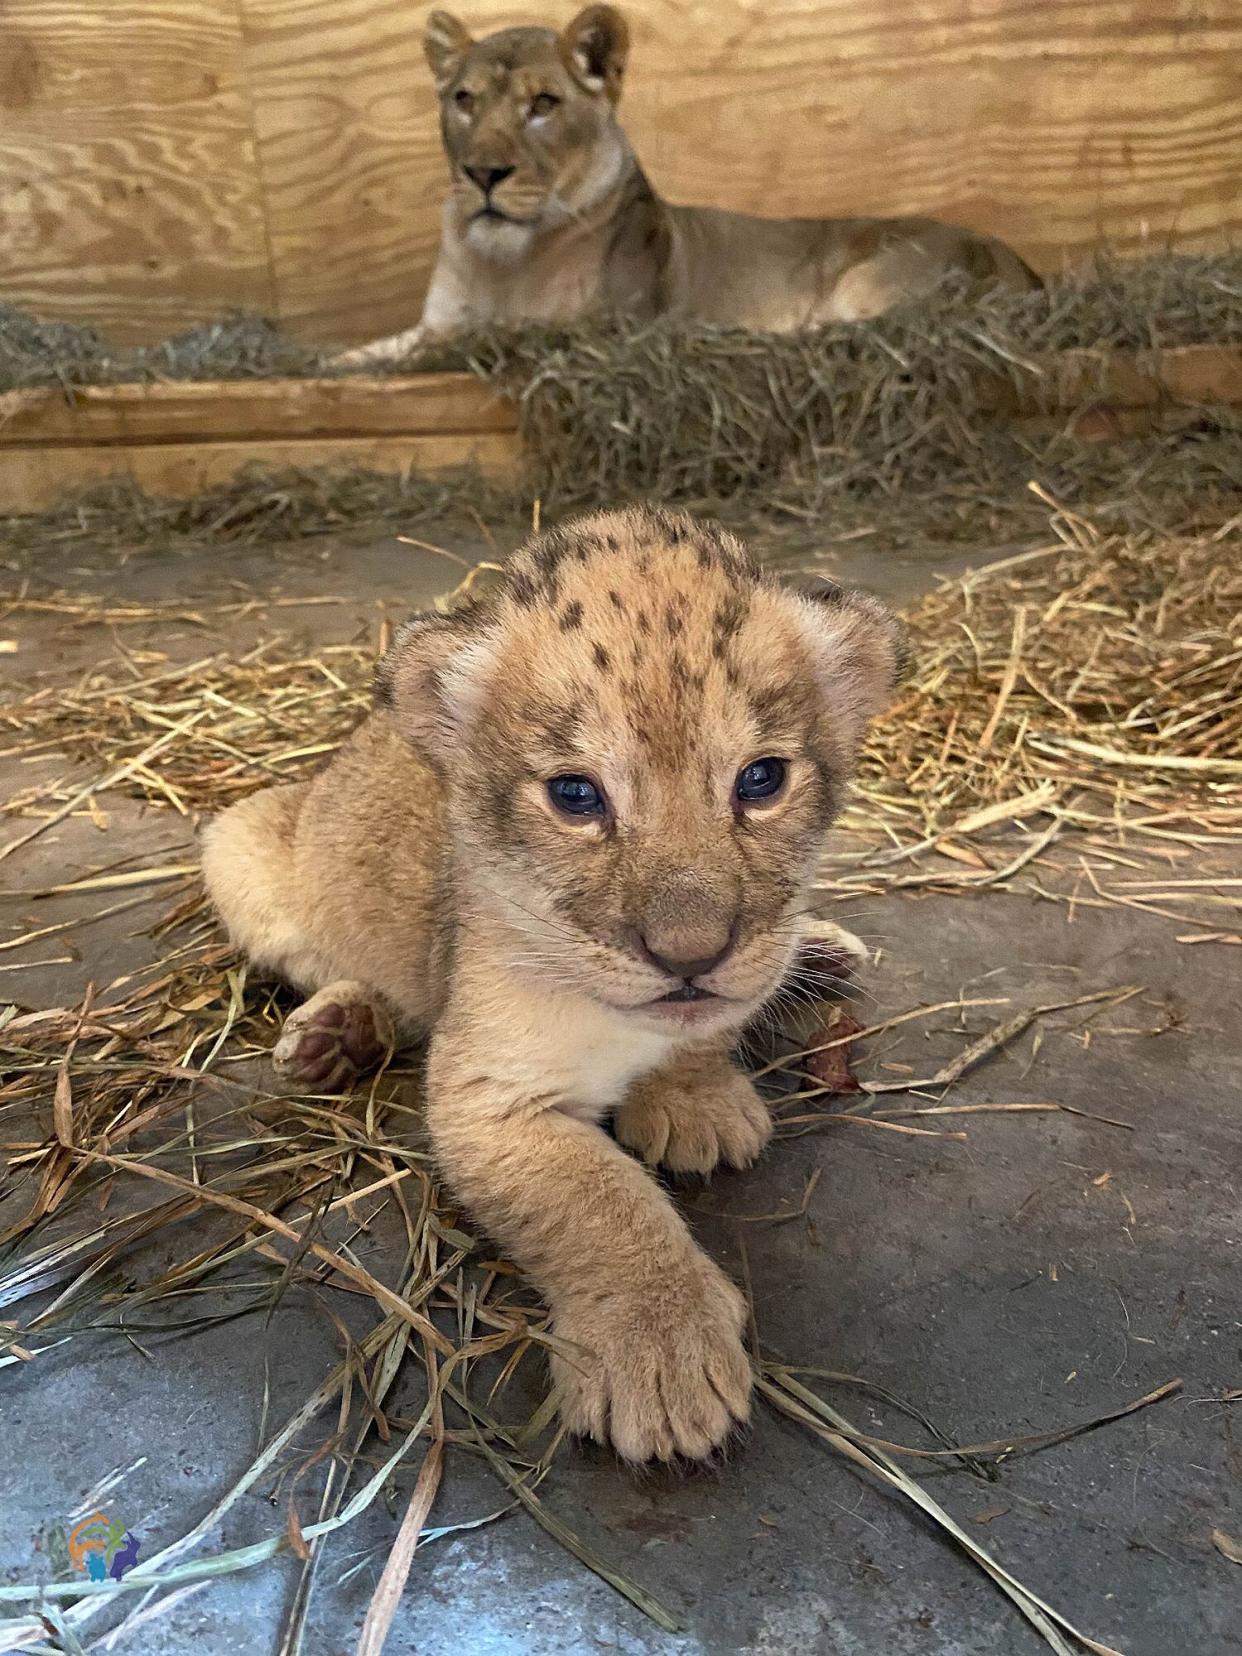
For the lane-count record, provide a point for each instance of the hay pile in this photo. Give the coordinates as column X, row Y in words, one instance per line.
column 888, row 421
column 894, row 413
column 1102, row 663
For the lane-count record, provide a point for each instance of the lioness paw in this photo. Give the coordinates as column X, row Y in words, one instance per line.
column 660, row 1378
column 691, row 1124
column 332, row 1038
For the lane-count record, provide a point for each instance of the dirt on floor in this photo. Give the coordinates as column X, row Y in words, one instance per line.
column 1003, row 1271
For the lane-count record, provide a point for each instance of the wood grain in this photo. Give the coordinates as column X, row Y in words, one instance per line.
column 34, row 478
column 347, row 136
column 251, row 410
column 127, row 171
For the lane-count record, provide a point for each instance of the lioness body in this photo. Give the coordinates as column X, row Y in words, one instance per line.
column 441, row 876
column 550, row 216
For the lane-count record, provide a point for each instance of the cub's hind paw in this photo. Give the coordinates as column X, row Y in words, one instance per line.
column 337, row 1035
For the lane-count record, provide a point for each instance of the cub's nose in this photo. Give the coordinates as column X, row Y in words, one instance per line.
column 690, row 955
column 487, row 178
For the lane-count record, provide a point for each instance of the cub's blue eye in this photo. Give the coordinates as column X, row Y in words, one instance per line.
column 761, row 779
column 576, row 796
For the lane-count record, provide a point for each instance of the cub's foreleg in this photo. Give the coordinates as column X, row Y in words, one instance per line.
column 651, row 1355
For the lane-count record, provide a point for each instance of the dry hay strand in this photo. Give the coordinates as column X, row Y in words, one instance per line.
column 1093, row 684
column 198, row 735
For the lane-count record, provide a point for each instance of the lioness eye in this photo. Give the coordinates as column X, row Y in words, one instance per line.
column 463, row 99
column 761, row 779
column 544, row 103
column 576, row 796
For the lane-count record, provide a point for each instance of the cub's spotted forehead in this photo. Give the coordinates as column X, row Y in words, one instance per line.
column 648, row 626
column 629, row 556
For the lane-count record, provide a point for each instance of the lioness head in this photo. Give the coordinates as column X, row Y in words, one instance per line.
column 643, row 740
column 527, row 121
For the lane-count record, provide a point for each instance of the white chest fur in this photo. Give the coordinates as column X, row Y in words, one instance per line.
column 585, row 1053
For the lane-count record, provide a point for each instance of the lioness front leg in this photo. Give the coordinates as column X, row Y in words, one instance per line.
column 654, row 1361
column 694, row 1113
column 380, row 352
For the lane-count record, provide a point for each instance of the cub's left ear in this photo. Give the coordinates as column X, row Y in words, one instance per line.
column 595, row 46
column 860, row 652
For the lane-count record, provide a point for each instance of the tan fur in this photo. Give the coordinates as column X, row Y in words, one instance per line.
column 574, row 227
column 428, row 866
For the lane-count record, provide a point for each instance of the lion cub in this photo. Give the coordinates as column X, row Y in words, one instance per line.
column 573, row 843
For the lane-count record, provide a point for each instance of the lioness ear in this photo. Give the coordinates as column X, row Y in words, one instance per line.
column 595, row 46
column 859, row 649
column 429, row 680
column 445, row 43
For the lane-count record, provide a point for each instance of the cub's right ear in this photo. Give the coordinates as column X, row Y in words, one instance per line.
column 430, row 680
column 445, row 43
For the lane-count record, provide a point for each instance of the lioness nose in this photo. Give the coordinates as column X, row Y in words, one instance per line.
column 687, row 953
column 487, row 178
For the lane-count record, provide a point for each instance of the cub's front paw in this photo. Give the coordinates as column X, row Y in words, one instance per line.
column 690, row 1124
column 659, row 1374
column 332, row 1038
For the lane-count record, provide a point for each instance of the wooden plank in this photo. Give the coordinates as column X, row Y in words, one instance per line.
column 128, row 173
column 1072, row 380
column 249, row 410
column 1108, row 425
column 32, row 479
column 446, row 403
column 346, row 126
column 1186, row 374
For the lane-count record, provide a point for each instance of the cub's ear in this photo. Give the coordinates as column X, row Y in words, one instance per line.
column 429, row 680
column 859, row 649
column 595, row 47
column 445, row 43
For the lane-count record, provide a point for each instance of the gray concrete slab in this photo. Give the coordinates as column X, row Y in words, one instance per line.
column 1044, row 1270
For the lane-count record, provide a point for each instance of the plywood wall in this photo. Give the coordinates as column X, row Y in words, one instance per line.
column 162, row 161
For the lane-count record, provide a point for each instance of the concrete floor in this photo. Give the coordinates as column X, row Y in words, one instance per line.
column 1046, row 1269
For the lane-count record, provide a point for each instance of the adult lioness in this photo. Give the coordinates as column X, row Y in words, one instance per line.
column 551, row 217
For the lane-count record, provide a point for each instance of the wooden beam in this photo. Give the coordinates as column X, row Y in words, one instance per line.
column 34, row 478
column 179, row 438
column 254, row 409
column 1073, row 380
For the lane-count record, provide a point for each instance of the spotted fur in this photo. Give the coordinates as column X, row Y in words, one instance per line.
column 428, row 871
